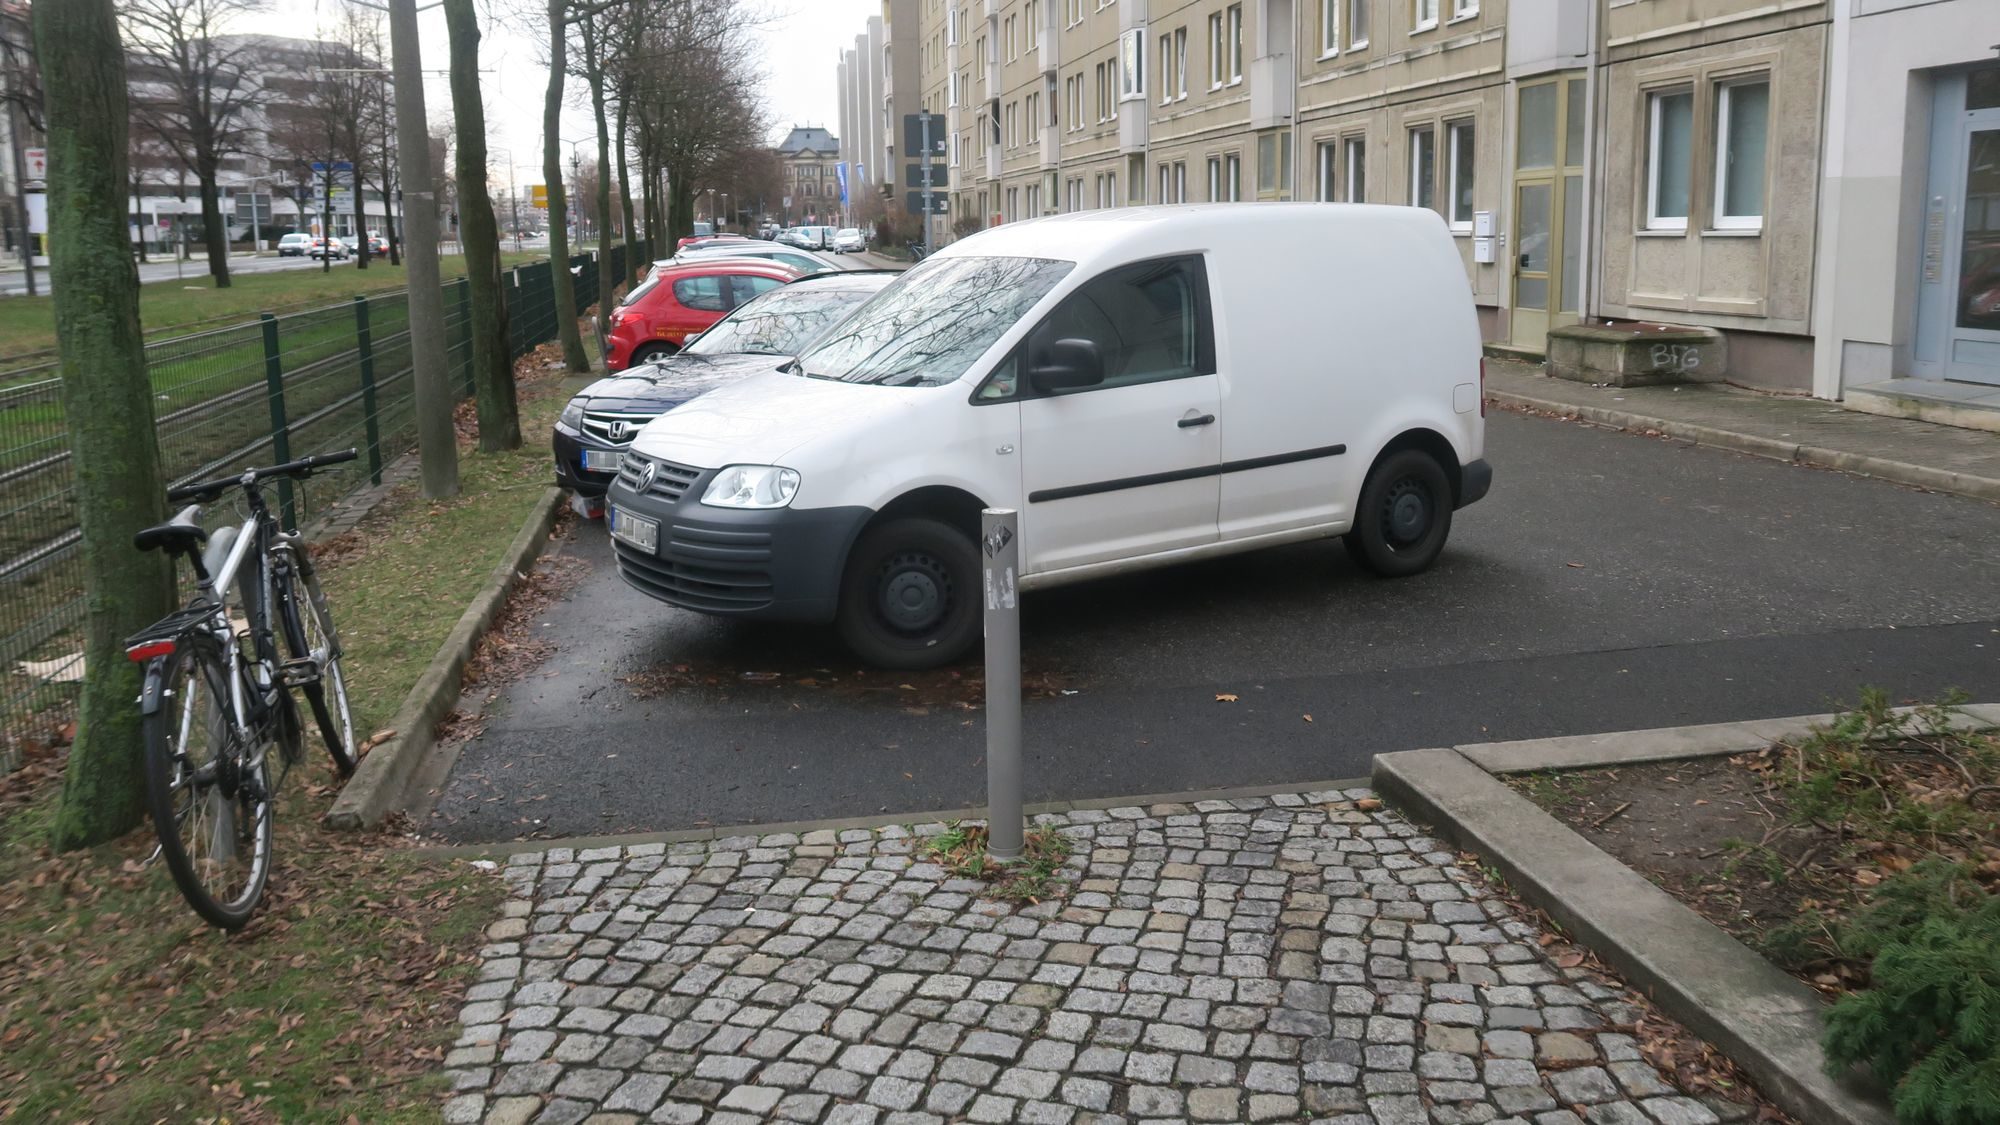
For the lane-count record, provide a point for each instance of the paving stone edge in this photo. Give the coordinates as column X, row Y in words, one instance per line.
column 1759, row 1016
column 1819, row 457
column 377, row 787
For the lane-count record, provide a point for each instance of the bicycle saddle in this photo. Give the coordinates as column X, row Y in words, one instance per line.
column 176, row 535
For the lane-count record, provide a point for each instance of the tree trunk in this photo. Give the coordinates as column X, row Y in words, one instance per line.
column 680, row 208
column 213, row 231
column 389, row 218
column 109, row 405
column 139, row 208
column 632, row 264
column 362, row 251
column 606, row 284
column 492, row 359
column 574, row 357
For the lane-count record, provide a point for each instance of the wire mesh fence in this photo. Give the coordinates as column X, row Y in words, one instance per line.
column 269, row 390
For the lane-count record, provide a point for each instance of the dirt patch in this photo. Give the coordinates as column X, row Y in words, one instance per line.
column 1786, row 847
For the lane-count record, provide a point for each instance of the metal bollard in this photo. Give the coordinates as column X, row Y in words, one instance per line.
column 1000, row 548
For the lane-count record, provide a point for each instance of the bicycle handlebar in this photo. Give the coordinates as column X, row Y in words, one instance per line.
column 208, row 490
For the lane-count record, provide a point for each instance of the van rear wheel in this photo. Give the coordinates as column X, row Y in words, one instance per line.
column 1404, row 516
column 909, row 599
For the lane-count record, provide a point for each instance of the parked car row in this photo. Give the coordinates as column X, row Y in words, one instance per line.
column 301, row 245
column 1144, row 387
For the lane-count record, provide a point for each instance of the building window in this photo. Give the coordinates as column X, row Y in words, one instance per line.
column 1235, row 44
column 1034, row 200
column 1329, row 27
column 1461, row 9
column 1180, row 181
column 954, row 150
column 1669, row 150
column 1427, row 14
column 1218, row 65
column 1215, row 179
column 1135, row 178
column 1355, row 150
column 1742, row 121
column 1166, row 184
column 1111, row 189
column 1180, row 63
column 1166, row 69
column 1357, row 24
column 1274, row 163
column 1327, row 176
column 1423, row 167
column 1232, row 172
column 1132, row 65
column 1458, row 135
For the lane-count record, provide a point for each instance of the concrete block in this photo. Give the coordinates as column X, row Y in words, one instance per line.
column 1637, row 355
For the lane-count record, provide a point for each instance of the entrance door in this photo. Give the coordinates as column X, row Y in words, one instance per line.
column 1546, row 269
column 1973, row 351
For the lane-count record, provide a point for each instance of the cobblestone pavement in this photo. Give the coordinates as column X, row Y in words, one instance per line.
column 1289, row 958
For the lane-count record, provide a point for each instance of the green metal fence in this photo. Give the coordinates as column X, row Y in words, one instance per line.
column 269, row 390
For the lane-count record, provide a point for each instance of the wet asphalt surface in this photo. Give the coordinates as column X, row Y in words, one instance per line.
column 1609, row 582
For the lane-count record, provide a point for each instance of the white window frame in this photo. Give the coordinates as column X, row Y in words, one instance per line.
column 1327, row 182
column 1426, row 13
column 1216, row 69
column 1166, row 71
column 1357, row 20
column 1132, row 66
column 1464, row 9
column 1329, row 28
column 1416, row 164
column 1235, row 44
column 1460, row 224
column 1180, row 63
column 1166, row 183
column 1723, row 90
column 1111, row 190
column 1654, row 100
column 1354, row 173
column 1232, row 170
column 1215, row 179
column 1180, row 181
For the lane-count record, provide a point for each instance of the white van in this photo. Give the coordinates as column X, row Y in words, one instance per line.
column 1145, row 386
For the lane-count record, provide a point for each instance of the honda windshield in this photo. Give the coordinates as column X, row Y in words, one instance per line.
column 927, row 328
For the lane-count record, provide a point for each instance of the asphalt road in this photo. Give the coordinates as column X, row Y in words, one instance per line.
column 1609, row 582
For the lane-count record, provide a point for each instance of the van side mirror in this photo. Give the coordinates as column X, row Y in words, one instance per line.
column 1067, row 365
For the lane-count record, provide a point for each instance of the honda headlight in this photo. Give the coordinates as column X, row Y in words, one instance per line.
column 572, row 415
column 752, row 486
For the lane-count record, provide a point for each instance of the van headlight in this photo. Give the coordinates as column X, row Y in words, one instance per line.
column 572, row 415
column 752, row 486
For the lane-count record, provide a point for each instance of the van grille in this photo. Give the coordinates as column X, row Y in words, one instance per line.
column 670, row 481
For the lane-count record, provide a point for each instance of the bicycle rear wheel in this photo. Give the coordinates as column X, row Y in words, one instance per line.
column 309, row 636
column 211, row 808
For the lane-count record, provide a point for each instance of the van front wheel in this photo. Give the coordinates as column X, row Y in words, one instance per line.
column 909, row 599
column 1403, row 517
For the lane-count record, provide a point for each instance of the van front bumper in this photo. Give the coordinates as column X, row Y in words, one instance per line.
column 775, row 564
column 1474, row 481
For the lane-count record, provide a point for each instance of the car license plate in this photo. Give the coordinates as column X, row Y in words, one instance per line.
column 601, row 460
column 639, row 531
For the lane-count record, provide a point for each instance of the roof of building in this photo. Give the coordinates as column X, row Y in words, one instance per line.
column 804, row 139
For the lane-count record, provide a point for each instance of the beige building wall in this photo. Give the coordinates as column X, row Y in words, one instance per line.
column 1712, row 270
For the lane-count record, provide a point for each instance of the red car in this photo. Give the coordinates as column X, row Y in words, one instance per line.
column 680, row 301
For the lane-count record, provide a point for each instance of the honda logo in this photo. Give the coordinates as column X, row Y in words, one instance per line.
column 618, row 429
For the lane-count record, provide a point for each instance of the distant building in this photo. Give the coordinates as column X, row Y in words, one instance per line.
column 811, row 156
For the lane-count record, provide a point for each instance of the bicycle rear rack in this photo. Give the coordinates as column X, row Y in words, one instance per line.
column 174, row 624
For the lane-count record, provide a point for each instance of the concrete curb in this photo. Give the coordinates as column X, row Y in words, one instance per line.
column 1761, row 1017
column 376, row 789
column 877, row 820
column 1818, row 457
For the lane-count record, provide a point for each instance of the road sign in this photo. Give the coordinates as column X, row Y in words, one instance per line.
column 538, row 196
column 338, row 166
column 913, row 133
column 913, row 202
column 37, row 160
column 940, row 176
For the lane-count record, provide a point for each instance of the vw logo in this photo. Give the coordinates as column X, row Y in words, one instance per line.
column 647, row 475
column 618, row 429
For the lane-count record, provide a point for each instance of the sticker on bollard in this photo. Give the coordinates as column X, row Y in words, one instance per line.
column 1005, row 824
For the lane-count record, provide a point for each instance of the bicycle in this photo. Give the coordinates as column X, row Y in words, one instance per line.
column 218, row 698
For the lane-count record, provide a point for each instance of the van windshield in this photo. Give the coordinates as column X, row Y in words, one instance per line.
column 927, row 328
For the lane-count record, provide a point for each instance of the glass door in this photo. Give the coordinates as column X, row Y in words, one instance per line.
column 1545, row 266
column 1973, row 351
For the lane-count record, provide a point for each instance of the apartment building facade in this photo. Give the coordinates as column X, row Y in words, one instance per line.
column 809, row 157
column 1611, row 159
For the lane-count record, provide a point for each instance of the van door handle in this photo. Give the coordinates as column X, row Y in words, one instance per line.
column 1193, row 420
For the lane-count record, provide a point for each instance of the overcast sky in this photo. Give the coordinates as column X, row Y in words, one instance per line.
column 801, row 45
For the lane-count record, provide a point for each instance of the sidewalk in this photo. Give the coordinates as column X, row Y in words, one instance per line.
column 1297, row 957
column 1802, row 430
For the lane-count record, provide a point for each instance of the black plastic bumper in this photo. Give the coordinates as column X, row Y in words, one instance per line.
column 1474, row 481
column 570, row 473
column 780, row 564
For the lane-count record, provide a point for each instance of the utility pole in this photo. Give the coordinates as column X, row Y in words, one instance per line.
column 926, row 119
column 437, row 439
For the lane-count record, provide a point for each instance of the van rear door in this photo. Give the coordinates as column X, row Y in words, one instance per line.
column 1126, row 467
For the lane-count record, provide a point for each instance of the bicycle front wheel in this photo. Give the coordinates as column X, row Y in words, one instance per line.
column 309, row 638
column 210, row 796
